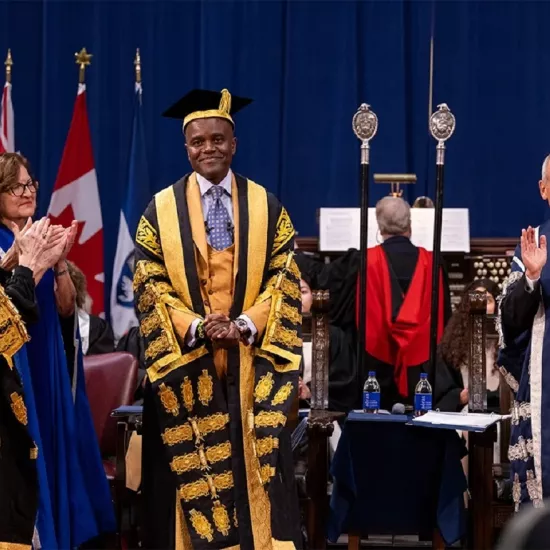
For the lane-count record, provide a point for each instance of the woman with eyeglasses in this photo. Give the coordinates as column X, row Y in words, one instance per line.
column 74, row 500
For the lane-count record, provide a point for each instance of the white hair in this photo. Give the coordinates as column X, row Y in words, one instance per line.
column 545, row 166
column 393, row 215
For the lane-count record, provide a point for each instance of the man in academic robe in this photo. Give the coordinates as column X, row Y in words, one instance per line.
column 217, row 291
column 523, row 359
column 399, row 276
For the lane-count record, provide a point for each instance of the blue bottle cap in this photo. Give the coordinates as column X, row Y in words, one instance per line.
column 423, row 376
column 372, row 374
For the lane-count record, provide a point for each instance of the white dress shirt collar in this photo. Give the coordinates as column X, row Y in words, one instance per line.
column 205, row 185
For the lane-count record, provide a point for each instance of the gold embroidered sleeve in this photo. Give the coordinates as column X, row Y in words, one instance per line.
column 13, row 333
column 282, row 340
column 284, row 232
column 163, row 317
column 279, row 353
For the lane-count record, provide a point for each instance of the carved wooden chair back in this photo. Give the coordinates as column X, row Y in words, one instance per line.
column 320, row 339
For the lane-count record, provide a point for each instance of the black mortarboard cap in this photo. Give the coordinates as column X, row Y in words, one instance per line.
column 206, row 104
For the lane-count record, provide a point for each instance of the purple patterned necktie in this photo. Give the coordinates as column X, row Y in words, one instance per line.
column 218, row 221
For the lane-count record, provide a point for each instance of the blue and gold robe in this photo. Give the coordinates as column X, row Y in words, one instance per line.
column 75, row 504
column 524, row 361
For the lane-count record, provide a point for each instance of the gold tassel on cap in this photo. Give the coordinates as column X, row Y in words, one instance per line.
column 225, row 101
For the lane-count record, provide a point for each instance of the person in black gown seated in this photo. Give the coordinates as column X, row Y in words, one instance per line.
column 398, row 285
column 96, row 333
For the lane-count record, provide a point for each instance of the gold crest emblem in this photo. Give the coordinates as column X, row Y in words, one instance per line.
column 18, row 408
column 205, row 388
column 147, row 237
column 201, row 525
column 264, row 387
column 187, row 394
column 221, row 518
column 169, row 399
column 282, row 394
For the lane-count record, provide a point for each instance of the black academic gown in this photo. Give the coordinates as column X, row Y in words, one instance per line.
column 18, row 475
column 102, row 339
column 340, row 278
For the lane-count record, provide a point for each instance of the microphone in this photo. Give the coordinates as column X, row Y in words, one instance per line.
column 398, row 408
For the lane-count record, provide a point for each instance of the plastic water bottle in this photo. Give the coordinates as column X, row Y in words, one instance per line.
column 371, row 394
column 422, row 396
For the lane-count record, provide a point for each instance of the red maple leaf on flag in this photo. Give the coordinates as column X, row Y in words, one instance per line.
column 76, row 196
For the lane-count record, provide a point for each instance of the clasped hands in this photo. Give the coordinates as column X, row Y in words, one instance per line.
column 221, row 330
column 39, row 245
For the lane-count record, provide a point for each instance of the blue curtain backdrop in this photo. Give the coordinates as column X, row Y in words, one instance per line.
column 308, row 65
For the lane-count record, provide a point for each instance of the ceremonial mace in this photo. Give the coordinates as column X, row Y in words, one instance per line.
column 442, row 126
column 365, row 124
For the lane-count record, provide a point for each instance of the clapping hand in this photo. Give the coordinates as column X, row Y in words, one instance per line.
column 11, row 258
column 31, row 242
column 533, row 256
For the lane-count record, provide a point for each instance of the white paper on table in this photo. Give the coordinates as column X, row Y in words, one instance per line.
column 339, row 229
column 464, row 420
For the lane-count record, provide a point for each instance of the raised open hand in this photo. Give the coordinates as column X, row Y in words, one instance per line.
column 533, row 256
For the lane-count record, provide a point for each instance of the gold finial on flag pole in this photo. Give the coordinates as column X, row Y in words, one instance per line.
column 137, row 65
column 8, row 63
column 83, row 59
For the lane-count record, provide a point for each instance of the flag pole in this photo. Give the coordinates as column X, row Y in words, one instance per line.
column 83, row 59
column 9, row 64
column 137, row 65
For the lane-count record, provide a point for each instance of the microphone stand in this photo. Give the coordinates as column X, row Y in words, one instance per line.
column 442, row 125
column 365, row 125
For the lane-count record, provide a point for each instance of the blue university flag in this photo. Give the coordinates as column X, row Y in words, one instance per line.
column 138, row 194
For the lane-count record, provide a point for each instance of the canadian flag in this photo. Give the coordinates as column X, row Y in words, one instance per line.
column 7, row 137
column 76, row 197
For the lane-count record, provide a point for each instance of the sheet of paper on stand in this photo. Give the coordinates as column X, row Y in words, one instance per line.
column 339, row 229
column 455, row 233
column 459, row 421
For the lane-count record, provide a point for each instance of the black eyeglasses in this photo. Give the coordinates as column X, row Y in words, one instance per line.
column 19, row 189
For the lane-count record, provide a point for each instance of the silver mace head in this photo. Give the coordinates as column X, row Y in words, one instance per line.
column 442, row 123
column 364, row 123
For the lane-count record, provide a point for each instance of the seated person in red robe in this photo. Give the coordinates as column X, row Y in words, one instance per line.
column 398, row 302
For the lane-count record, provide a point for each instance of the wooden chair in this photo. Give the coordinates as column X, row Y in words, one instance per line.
column 320, row 425
column 110, row 383
column 488, row 514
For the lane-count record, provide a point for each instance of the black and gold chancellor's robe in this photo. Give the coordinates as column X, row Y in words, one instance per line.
column 219, row 445
column 18, row 452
